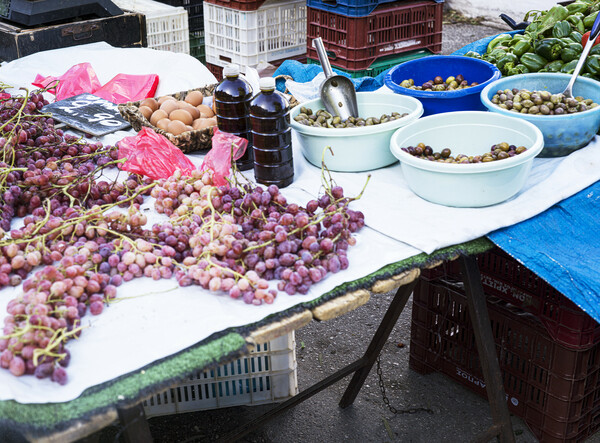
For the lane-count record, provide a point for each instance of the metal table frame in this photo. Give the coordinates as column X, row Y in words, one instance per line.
column 137, row 428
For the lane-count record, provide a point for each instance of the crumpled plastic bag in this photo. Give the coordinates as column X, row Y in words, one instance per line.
column 78, row 79
column 306, row 91
column 153, row 155
column 225, row 147
column 81, row 78
column 123, row 88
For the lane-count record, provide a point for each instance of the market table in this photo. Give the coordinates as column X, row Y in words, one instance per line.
column 395, row 243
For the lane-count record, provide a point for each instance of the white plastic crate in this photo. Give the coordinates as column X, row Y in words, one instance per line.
column 267, row 375
column 167, row 26
column 275, row 31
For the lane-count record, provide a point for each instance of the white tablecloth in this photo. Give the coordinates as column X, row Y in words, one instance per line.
column 164, row 321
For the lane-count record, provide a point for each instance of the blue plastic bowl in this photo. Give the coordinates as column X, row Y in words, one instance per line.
column 563, row 134
column 427, row 68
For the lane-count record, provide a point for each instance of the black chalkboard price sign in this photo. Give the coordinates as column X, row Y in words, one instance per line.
column 88, row 113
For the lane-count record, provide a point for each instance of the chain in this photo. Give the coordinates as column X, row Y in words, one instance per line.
column 386, row 400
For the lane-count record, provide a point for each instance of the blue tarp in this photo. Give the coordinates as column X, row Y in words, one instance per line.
column 562, row 246
column 302, row 73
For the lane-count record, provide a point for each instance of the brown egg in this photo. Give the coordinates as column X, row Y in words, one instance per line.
column 205, row 111
column 182, row 115
column 214, row 106
column 176, row 127
column 212, row 121
column 203, row 123
column 158, row 115
column 194, row 98
column 146, row 111
column 194, row 112
column 188, row 128
column 151, row 103
column 197, row 122
column 164, row 98
column 169, row 106
column 163, row 124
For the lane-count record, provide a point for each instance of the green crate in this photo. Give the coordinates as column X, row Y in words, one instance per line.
column 197, row 49
column 379, row 65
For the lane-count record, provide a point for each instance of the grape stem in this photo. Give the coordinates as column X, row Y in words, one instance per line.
column 60, row 335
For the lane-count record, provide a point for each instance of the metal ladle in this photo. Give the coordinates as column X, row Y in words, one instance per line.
column 568, row 92
column 337, row 92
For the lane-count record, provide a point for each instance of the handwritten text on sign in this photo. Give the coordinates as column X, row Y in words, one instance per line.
column 89, row 113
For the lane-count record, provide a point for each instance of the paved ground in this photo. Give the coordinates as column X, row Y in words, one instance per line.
column 457, row 414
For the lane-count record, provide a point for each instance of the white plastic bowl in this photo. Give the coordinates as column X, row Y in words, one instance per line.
column 356, row 149
column 469, row 133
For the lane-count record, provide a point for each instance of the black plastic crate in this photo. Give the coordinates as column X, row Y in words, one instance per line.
column 554, row 389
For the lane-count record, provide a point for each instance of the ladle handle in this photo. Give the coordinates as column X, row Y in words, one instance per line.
column 318, row 44
column 595, row 31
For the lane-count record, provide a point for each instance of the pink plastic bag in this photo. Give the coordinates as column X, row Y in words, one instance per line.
column 77, row 80
column 153, row 155
column 123, row 88
column 225, row 146
column 81, row 78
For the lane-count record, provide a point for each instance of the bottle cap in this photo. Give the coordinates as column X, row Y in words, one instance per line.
column 266, row 83
column 231, row 70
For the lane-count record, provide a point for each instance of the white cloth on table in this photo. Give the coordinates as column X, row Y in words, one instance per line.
column 160, row 322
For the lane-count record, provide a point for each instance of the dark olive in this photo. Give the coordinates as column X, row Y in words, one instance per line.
column 540, row 102
column 499, row 151
column 324, row 119
column 451, row 83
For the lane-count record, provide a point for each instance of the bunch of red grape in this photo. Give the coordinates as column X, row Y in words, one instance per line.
column 243, row 240
column 237, row 238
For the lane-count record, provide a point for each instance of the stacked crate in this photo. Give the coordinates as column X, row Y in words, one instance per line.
column 166, row 26
column 195, row 11
column 250, row 32
column 366, row 37
column 548, row 349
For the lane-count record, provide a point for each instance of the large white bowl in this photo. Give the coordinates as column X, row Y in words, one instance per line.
column 469, row 133
column 356, row 149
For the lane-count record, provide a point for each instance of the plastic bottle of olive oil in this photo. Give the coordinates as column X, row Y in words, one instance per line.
column 271, row 135
column 232, row 98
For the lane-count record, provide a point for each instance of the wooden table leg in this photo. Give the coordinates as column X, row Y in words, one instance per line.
column 135, row 425
column 487, row 352
column 381, row 335
column 360, row 368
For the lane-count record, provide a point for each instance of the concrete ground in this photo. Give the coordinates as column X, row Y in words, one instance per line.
column 322, row 348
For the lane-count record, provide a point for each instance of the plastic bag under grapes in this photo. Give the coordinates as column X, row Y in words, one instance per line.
column 153, row 155
column 225, row 147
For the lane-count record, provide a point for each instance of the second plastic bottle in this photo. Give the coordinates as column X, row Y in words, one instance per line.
column 272, row 136
column 232, row 98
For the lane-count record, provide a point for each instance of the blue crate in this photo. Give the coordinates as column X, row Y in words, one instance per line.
column 350, row 8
